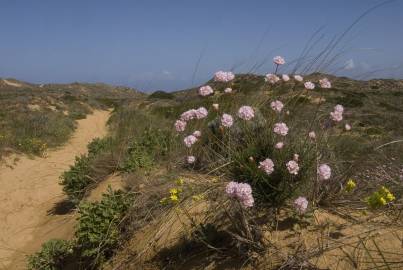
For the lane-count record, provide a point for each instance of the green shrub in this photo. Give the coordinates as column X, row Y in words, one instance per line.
column 98, row 231
column 161, row 95
column 76, row 179
column 99, row 145
column 53, row 255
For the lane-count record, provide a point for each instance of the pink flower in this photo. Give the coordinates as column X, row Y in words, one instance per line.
column 190, row 159
column 205, row 90
column 324, row 172
column 301, row 204
column 246, row 113
column 216, row 106
column 222, row 76
column 271, row 78
column 277, row 105
column 197, row 133
column 228, row 90
column 190, row 140
column 267, row 166
column 298, row 78
column 312, row 135
column 325, row 83
column 285, row 77
column 240, row 191
column 278, row 60
column 336, row 116
column 231, row 188
column 226, row 120
column 180, row 125
column 279, row 145
column 280, row 129
column 201, row 113
column 339, row 108
column 188, row 115
column 347, row 127
column 309, row 85
column 292, row 167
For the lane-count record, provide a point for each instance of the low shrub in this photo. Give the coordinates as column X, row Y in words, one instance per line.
column 161, row 95
column 98, row 230
column 53, row 255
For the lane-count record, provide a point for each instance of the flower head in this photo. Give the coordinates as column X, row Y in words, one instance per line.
column 279, row 145
column 267, row 166
column 197, row 133
column 339, row 108
column 271, row 78
column 301, row 204
column 325, row 83
column 309, row 85
column 180, row 125
column 292, row 167
column 324, row 172
column 278, row 60
column 190, row 140
column 350, row 185
column 336, row 116
column 216, row 106
column 280, row 129
column 347, row 127
column 240, row 191
column 246, row 113
column 205, row 90
column 226, row 120
column 201, row 113
column 228, row 90
column 285, row 77
column 277, row 105
column 188, row 115
column 190, row 159
column 312, row 135
column 223, row 76
column 295, row 157
column 298, row 78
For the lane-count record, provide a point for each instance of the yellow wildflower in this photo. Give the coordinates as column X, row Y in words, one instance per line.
column 179, row 181
column 174, row 198
column 350, row 185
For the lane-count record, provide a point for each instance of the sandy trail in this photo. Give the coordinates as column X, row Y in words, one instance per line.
column 30, row 190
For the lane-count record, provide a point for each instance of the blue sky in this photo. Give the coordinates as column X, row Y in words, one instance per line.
column 153, row 45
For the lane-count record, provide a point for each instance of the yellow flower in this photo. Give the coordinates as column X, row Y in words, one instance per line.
column 179, row 181
column 382, row 201
column 173, row 191
column 350, row 185
column 174, row 198
column 390, row 197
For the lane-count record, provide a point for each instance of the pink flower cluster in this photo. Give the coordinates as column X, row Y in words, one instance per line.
column 279, row 145
column 298, row 78
column 190, row 159
column 312, row 135
column 267, row 166
column 180, row 125
column 242, row 192
column 309, row 85
column 277, row 105
column 337, row 114
column 324, row 172
column 278, row 60
column 292, row 167
column 228, row 90
column 205, row 90
column 301, row 204
column 285, row 77
column 197, row 134
column 201, row 113
column 227, row 120
column 325, row 83
column 190, row 140
column 222, row 76
column 280, row 129
column 271, row 78
column 246, row 113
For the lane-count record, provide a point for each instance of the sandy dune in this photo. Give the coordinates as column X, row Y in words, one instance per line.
column 30, row 190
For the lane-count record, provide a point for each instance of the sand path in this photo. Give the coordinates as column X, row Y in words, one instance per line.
column 30, row 190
